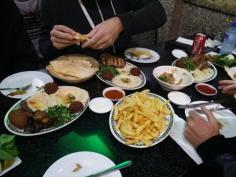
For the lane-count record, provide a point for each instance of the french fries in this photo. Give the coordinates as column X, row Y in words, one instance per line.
column 141, row 118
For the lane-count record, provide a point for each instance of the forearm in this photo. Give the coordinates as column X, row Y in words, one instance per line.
column 145, row 18
column 215, row 147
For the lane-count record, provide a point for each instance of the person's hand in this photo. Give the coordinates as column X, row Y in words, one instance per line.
column 62, row 36
column 198, row 129
column 104, row 34
column 228, row 87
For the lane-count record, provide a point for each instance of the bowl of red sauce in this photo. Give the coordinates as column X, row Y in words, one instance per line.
column 206, row 89
column 113, row 93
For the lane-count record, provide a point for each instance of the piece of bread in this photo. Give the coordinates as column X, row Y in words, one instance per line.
column 110, row 60
column 80, row 38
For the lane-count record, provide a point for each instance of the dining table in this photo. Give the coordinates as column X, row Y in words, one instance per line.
column 91, row 131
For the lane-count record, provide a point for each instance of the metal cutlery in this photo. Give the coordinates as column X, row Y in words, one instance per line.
column 206, row 104
column 216, row 109
column 24, row 88
column 116, row 167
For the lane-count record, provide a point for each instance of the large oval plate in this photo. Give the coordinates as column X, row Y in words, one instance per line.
column 142, row 77
column 206, row 80
column 21, row 132
column 161, row 137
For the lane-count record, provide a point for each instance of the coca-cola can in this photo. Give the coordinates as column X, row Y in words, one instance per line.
column 198, row 44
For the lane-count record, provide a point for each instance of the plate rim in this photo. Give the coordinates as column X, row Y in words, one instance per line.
column 142, row 61
column 81, row 152
column 6, row 118
column 13, row 75
column 144, row 80
column 166, row 134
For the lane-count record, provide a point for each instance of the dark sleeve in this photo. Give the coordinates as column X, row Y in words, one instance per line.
column 45, row 45
column 215, row 147
column 144, row 15
column 19, row 48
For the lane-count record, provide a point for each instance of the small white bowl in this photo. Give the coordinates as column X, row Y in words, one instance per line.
column 100, row 105
column 208, row 85
column 177, row 53
column 179, row 98
column 180, row 74
column 113, row 88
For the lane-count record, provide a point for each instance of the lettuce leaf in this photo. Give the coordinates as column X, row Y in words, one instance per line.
column 8, row 149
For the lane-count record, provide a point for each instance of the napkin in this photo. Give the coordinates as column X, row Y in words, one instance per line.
column 209, row 43
column 177, row 134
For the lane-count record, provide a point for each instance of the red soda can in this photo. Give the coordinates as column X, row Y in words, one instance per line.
column 198, row 44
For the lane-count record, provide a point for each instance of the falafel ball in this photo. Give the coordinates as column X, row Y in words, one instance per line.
column 50, row 88
column 135, row 71
column 76, row 106
column 107, row 75
column 18, row 118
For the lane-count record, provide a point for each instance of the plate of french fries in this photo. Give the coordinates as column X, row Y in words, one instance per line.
column 141, row 120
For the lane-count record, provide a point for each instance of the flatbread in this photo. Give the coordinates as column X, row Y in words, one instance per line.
column 74, row 68
column 80, row 38
column 127, row 81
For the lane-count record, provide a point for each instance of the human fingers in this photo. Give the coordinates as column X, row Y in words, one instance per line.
column 65, row 29
column 62, row 35
column 226, row 82
column 93, row 32
column 229, row 88
column 93, row 40
column 103, row 43
column 209, row 114
column 62, row 41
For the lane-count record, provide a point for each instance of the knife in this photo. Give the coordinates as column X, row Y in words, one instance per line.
column 205, row 104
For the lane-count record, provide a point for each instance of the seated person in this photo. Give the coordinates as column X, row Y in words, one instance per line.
column 217, row 152
column 108, row 24
column 18, row 53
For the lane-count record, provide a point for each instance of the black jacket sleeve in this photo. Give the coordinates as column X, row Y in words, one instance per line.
column 215, row 147
column 144, row 15
column 45, row 45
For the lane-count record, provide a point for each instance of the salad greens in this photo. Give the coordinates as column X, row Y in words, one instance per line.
column 61, row 114
column 8, row 149
column 225, row 60
column 188, row 64
column 108, row 69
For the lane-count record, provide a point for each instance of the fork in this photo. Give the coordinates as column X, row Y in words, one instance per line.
column 24, row 88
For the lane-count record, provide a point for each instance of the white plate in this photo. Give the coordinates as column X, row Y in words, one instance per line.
column 90, row 163
column 179, row 98
column 16, row 163
column 226, row 117
column 100, row 105
column 142, row 76
column 206, row 80
column 154, row 58
column 21, row 132
column 163, row 135
column 21, row 79
column 177, row 53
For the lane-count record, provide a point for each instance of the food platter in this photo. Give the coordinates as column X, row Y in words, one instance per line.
column 141, row 78
column 142, row 55
column 33, row 78
column 41, row 105
column 164, row 132
column 73, row 68
column 205, row 75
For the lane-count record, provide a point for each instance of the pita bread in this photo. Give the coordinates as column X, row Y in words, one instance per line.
column 80, row 38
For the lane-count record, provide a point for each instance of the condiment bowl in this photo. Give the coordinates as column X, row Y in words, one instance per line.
column 113, row 93
column 206, row 89
column 179, row 74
